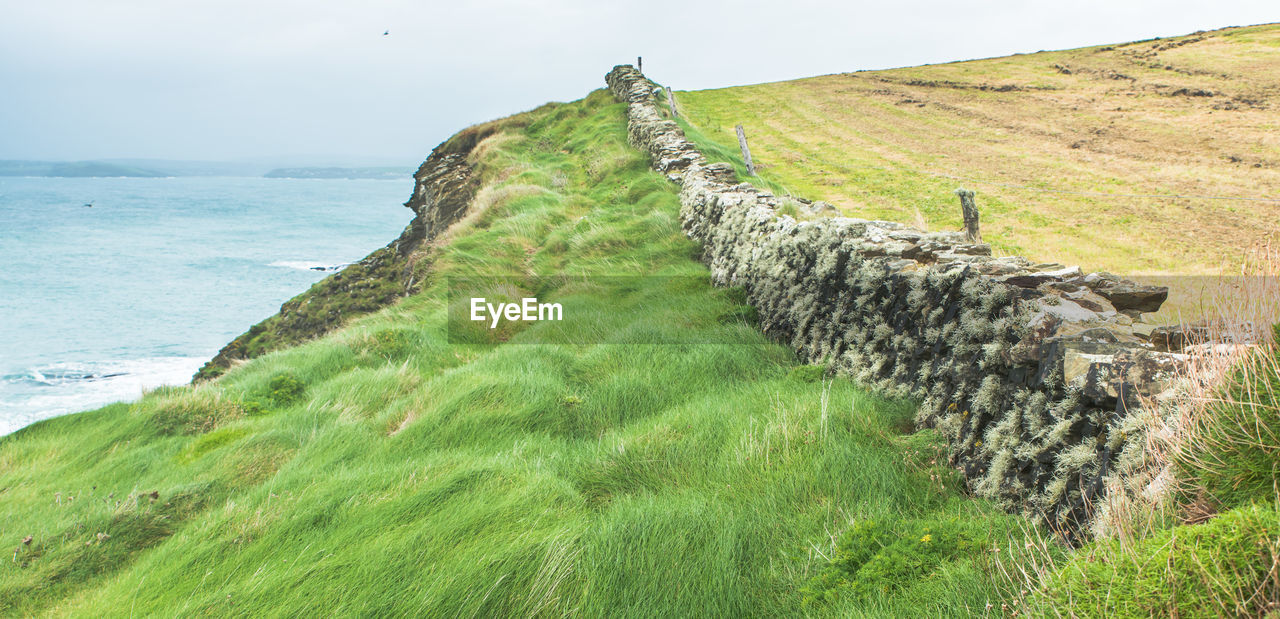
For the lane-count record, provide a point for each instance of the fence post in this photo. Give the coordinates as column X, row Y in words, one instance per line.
column 746, row 152
column 671, row 100
column 640, row 65
column 970, row 212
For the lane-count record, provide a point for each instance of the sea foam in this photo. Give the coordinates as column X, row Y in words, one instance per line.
column 59, row 388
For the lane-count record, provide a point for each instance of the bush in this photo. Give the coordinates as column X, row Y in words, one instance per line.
column 285, row 389
column 1221, row 568
column 253, row 407
column 390, row 344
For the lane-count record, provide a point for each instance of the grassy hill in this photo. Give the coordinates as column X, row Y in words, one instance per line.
column 1074, row 154
column 407, row 464
column 399, row 466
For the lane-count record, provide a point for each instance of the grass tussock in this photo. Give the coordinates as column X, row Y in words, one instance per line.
column 1225, row 566
column 195, row 412
column 487, row 198
column 1229, row 449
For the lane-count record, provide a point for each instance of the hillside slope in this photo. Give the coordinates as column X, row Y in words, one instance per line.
column 1039, row 137
column 402, row 465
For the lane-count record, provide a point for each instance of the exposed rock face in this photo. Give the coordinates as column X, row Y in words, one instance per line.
column 444, row 185
column 1030, row 371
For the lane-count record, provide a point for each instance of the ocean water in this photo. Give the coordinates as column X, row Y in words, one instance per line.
column 100, row 303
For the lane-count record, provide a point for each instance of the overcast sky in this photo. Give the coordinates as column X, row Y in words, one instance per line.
column 184, row 79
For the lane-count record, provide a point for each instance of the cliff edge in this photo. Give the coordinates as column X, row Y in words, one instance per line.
column 444, row 185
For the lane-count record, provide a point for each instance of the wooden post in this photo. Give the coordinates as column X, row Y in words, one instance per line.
column 746, row 152
column 671, row 100
column 640, row 65
column 970, row 212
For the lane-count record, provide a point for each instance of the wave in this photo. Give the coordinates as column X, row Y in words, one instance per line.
column 63, row 373
column 309, row 266
column 59, row 388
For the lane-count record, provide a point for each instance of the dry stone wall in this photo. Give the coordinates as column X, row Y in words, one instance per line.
column 1034, row 373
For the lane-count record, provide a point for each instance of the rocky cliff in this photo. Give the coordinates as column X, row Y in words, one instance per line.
column 443, row 188
column 1034, row 373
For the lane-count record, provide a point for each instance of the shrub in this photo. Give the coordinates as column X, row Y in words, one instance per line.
column 253, row 407
column 390, row 344
column 873, row 559
column 285, row 388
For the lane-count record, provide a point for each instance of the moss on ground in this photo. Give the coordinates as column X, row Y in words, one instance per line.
column 1222, row 568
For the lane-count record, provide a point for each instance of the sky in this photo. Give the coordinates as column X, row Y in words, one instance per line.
column 257, row 79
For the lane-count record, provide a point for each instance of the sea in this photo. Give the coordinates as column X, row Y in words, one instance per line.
column 113, row 286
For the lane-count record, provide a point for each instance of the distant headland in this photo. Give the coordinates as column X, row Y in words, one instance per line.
column 390, row 173
column 158, row 168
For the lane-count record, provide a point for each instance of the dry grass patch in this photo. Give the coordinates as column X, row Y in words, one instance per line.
column 488, row 198
column 1074, row 154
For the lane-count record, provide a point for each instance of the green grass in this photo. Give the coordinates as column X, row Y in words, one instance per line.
column 383, row 469
column 1223, row 568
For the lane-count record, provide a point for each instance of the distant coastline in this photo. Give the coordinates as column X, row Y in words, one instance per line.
column 75, row 169
column 389, row 173
column 160, row 168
